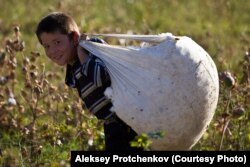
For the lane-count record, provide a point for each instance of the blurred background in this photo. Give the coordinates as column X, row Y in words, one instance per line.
column 221, row 27
column 41, row 120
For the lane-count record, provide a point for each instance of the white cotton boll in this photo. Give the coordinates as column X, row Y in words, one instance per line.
column 11, row 101
column 108, row 92
column 90, row 142
column 3, row 80
column 59, row 142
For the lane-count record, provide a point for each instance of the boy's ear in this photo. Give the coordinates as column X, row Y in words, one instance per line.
column 75, row 38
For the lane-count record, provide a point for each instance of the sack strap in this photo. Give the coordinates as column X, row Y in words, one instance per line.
column 143, row 38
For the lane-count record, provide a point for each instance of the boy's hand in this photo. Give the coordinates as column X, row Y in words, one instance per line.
column 83, row 37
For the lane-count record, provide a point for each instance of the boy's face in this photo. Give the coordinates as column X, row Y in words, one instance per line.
column 58, row 47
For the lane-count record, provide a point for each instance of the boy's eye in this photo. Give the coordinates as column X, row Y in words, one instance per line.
column 46, row 46
column 57, row 42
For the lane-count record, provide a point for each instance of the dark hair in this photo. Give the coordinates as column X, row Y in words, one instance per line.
column 56, row 21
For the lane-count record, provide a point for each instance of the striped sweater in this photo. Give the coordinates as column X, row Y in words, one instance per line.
column 91, row 79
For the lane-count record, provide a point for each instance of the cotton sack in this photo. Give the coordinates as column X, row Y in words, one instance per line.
column 170, row 86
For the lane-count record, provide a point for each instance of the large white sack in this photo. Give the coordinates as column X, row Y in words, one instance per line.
column 170, row 87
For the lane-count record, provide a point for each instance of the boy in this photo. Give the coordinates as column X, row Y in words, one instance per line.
column 58, row 33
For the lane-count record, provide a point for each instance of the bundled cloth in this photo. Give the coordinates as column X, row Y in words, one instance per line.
column 168, row 87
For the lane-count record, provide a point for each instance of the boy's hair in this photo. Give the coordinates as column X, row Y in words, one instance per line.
column 56, row 21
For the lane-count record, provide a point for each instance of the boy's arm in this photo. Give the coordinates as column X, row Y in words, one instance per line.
column 95, row 69
column 81, row 52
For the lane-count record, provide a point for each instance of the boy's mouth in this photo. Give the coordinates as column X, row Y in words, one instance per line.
column 57, row 57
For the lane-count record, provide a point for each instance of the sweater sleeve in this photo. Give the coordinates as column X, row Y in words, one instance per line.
column 95, row 70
